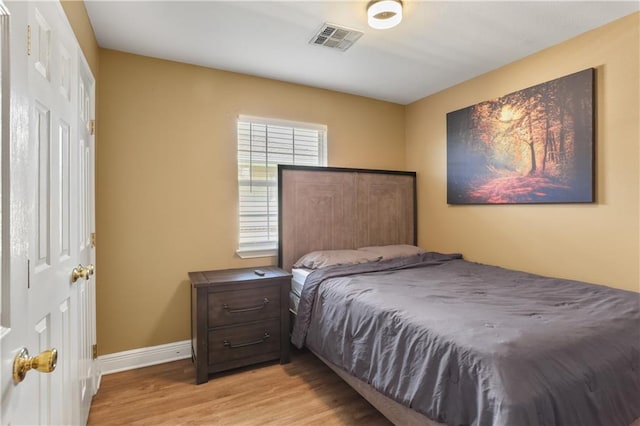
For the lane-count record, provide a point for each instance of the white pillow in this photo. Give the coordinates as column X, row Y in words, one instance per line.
column 323, row 258
column 393, row 251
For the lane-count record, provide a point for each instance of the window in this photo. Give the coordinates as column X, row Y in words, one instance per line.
column 262, row 145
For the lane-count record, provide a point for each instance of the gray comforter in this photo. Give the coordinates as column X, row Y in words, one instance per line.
column 470, row 344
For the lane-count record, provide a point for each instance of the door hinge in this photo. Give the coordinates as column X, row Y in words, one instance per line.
column 92, row 127
column 93, row 240
column 94, row 350
column 28, row 40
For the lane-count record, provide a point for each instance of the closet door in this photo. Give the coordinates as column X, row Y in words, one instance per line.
column 50, row 216
column 88, row 374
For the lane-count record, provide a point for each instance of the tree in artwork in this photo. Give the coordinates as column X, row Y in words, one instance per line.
column 531, row 146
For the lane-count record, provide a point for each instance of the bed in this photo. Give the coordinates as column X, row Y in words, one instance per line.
column 430, row 338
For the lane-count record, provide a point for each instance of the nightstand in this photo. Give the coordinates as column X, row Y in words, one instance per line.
column 238, row 318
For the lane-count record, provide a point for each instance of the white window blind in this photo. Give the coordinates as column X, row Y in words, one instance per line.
column 262, row 145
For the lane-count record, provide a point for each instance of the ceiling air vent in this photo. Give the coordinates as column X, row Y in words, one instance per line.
column 335, row 37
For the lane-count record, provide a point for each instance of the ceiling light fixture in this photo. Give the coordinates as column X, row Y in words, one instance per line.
column 384, row 14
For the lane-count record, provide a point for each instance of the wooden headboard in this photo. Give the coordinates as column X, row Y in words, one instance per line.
column 327, row 208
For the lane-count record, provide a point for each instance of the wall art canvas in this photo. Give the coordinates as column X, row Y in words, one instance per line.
column 531, row 146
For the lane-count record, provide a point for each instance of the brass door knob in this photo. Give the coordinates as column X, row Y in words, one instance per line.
column 81, row 272
column 45, row 362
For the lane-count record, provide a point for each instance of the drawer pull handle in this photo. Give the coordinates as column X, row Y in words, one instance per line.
column 228, row 344
column 254, row 308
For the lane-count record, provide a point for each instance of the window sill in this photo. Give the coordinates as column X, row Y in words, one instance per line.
column 254, row 253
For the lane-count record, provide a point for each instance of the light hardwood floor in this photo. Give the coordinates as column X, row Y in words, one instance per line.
column 304, row 392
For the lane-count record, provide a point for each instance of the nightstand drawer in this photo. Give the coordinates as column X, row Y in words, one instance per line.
column 238, row 306
column 244, row 341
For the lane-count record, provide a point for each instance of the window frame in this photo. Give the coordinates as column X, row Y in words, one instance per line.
column 267, row 248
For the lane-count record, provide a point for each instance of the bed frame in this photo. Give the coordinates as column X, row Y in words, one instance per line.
column 325, row 208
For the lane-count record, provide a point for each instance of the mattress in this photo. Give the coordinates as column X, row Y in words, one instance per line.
column 297, row 284
column 294, row 301
column 299, row 277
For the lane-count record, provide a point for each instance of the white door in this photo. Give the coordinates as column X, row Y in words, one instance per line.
column 88, row 375
column 50, row 214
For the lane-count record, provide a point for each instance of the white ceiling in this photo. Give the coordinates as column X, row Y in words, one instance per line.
column 437, row 45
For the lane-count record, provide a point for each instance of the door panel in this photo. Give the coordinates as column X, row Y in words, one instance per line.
column 88, row 373
column 49, row 284
column 41, row 43
column 42, row 118
column 51, row 219
column 64, row 156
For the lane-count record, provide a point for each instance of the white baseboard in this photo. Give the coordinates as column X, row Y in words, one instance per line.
column 144, row 357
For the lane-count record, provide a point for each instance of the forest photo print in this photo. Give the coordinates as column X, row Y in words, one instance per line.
column 531, row 146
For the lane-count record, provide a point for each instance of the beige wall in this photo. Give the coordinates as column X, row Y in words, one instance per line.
column 166, row 194
column 167, row 186
column 596, row 243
